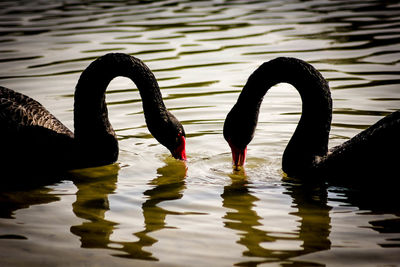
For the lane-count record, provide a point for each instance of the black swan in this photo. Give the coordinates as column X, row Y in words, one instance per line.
column 33, row 139
column 375, row 151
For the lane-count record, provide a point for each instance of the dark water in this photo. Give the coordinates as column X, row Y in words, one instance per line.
column 149, row 209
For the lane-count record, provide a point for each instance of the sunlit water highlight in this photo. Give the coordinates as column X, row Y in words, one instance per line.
column 149, row 209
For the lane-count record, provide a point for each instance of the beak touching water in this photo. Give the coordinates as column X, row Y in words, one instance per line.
column 180, row 151
column 238, row 156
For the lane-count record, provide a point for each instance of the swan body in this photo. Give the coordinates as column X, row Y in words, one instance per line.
column 372, row 152
column 33, row 139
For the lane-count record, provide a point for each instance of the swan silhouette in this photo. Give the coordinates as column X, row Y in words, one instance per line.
column 33, row 139
column 374, row 151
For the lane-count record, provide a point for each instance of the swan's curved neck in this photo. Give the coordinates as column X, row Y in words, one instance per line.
column 310, row 138
column 93, row 131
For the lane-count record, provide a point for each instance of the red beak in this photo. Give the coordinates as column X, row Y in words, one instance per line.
column 180, row 151
column 238, row 156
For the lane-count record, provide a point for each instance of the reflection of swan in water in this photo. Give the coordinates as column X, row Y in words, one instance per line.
column 373, row 151
column 380, row 200
column 92, row 204
column 22, row 198
column 32, row 137
column 313, row 230
column 168, row 186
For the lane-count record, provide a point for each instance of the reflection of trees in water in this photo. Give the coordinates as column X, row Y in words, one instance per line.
column 92, row 203
column 313, row 211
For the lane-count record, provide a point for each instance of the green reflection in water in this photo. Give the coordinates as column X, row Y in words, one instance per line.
column 92, row 204
column 312, row 209
column 244, row 219
column 196, row 84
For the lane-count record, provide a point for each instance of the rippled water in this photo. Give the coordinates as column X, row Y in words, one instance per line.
column 152, row 210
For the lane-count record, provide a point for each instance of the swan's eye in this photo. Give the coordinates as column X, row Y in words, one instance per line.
column 178, row 138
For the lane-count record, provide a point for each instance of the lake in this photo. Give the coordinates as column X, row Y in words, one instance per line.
column 151, row 210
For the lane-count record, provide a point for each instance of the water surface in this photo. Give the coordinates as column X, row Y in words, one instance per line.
column 149, row 209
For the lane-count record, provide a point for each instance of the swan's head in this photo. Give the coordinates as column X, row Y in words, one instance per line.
column 239, row 129
column 238, row 155
column 171, row 134
column 175, row 141
column 178, row 151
